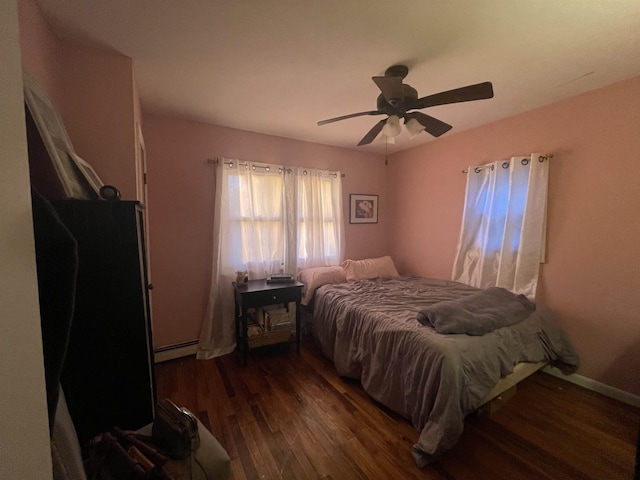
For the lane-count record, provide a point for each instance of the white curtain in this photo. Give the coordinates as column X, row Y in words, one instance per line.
column 267, row 219
column 502, row 239
column 320, row 229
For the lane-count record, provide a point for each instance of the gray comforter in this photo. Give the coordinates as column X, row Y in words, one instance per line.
column 369, row 328
column 479, row 313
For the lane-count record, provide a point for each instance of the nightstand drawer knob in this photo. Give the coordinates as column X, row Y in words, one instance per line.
column 274, row 297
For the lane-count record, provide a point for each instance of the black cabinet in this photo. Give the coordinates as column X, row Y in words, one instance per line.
column 108, row 375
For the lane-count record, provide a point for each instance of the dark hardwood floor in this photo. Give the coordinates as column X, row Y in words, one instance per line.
column 290, row 416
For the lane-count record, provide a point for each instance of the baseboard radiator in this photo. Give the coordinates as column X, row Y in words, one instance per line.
column 178, row 350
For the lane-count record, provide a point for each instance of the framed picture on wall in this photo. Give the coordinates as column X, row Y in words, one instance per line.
column 363, row 208
column 55, row 139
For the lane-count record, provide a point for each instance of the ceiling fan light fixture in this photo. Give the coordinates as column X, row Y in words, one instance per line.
column 392, row 127
column 396, row 98
column 414, row 127
column 389, row 140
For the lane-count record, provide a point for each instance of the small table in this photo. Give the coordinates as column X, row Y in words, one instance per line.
column 259, row 293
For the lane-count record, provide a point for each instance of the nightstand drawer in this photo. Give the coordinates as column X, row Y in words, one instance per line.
column 272, row 297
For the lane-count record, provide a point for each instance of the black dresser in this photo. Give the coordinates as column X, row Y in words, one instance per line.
column 108, row 375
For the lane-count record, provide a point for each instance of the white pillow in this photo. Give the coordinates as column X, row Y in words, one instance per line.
column 369, row 268
column 316, row 277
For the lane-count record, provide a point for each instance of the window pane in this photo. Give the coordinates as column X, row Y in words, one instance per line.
column 257, row 209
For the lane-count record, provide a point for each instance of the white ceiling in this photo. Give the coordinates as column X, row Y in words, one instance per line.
column 279, row 66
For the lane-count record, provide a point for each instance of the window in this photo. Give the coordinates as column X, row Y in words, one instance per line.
column 256, row 219
column 267, row 218
column 502, row 239
column 319, row 219
column 282, row 218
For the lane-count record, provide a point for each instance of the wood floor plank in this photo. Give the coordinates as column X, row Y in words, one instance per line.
column 289, row 416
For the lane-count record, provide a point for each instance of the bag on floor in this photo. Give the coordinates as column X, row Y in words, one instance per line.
column 175, row 429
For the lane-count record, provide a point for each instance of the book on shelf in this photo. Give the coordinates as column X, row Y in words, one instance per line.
column 254, row 330
column 275, row 317
column 280, row 278
column 269, row 320
column 283, row 326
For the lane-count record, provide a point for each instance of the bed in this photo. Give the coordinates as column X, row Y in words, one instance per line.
column 369, row 329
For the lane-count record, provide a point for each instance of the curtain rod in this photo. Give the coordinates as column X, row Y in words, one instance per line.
column 216, row 160
column 541, row 158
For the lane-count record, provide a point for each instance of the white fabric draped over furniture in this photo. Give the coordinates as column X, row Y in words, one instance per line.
column 267, row 218
column 502, row 240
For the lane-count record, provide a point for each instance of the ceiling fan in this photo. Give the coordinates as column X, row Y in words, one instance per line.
column 397, row 99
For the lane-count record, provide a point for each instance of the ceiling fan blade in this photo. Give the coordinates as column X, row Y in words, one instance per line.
column 373, row 133
column 344, row 117
column 391, row 88
column 479, row 91
column 431, row 125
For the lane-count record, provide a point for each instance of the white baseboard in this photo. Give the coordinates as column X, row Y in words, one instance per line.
column 171, row 352
column 596, row 386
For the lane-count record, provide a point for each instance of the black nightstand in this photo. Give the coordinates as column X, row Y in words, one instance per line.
column 257, row 294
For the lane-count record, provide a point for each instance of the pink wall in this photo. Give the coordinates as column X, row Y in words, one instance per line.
column 99, row 113
column 181, row 196
column 94, row 93
column 592, row 276
column 41, row 50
